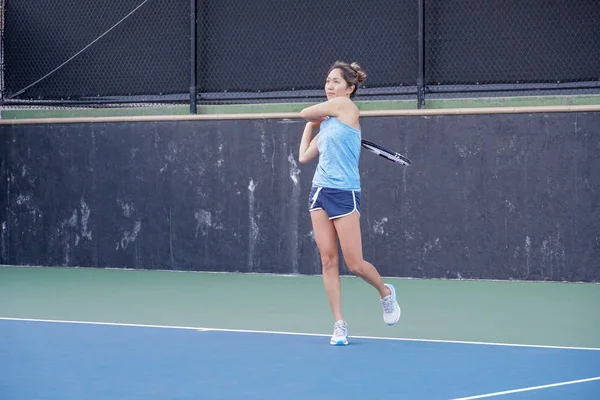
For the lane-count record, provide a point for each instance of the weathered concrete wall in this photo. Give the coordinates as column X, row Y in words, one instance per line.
column 512, row 196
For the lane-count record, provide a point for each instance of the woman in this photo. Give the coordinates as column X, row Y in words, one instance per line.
column 334, row 201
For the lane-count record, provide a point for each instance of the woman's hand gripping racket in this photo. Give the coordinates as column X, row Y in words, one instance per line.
column 385, row 153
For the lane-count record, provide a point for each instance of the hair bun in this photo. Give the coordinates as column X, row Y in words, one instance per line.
column 360, row 74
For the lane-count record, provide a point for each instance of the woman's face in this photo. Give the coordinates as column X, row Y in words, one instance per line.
column 336, row 86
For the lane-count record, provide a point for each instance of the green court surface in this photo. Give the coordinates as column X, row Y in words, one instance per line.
column 514, row 312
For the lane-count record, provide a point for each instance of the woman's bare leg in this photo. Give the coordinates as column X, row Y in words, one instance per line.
column 326, row 239
column 348, row 231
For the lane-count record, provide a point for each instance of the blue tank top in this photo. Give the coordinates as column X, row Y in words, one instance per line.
column 339, row 153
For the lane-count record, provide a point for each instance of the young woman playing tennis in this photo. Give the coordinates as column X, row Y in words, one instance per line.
column 334, row 201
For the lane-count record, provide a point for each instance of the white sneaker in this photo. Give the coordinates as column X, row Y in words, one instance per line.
column 391, row 309
column 340, row 334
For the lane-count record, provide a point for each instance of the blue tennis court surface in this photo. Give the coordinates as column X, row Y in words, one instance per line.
column 50, row 360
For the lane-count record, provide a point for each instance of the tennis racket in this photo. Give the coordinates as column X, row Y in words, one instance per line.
column 385, row 153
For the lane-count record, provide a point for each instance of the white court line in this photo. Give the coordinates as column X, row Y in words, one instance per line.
column 199, row 328
column 482, row 396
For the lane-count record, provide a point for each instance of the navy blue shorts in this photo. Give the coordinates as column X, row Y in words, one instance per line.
column 336, row 203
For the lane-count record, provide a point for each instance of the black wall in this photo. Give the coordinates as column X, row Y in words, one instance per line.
column 272, row 45
column 512, row 196
column 279, row 46
column 147, row 53
column 511, row 41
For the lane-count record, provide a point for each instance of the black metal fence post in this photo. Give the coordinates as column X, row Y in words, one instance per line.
column 421, row 62
column 193, row 30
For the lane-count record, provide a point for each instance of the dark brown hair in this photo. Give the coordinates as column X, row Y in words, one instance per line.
column 353, row 74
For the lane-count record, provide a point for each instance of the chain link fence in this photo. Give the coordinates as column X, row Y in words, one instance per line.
column 483, row 45
column 92, row 51
column 266, row 51
column 281, row 50
column 2, row 24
